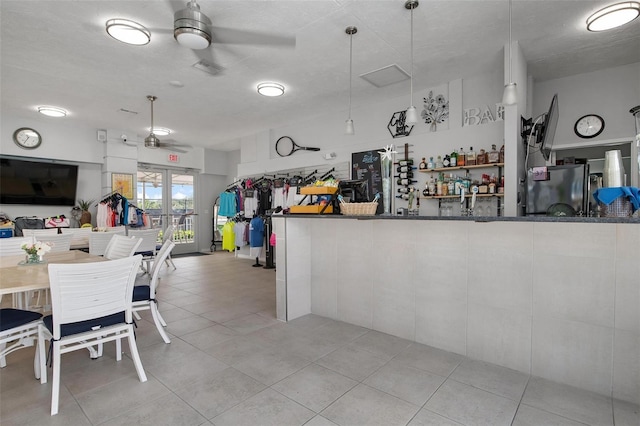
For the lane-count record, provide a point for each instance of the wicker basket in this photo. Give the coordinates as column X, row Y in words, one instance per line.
column 620, row 207
column 358, row 209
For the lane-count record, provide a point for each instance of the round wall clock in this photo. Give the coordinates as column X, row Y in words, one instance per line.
column 589, row 126
column 27, row 138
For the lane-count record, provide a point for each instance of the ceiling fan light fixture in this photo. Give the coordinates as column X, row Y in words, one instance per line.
column 191, row 28
column 613, row 16
column 152, row 141
column 52, row 111
column 160, row 131
column 271, row 89
column 127, row 31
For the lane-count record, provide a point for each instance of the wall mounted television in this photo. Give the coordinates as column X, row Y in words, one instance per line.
column 543, row 128
column 37, row 183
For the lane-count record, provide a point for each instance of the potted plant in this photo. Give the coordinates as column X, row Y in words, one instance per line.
column 86, row 215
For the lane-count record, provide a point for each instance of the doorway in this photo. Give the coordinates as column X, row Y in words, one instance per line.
column 168, row 198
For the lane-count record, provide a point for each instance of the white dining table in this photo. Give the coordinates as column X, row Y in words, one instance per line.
column 17, row 278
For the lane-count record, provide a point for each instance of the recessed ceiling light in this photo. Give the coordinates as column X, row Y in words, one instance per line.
column 160, row 131
column 52, row 111
column 127, row 31
column 271, row 89
column 613, row 16
column 176, row 83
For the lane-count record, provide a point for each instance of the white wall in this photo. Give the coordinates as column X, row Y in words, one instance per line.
column 609, row 93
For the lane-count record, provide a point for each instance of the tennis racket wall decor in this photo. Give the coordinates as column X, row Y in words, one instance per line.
column 285, row 146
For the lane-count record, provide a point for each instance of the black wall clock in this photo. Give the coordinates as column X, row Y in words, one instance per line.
column 589, row 126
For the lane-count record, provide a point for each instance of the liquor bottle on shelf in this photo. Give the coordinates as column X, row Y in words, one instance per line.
column 405, row 175
column 405, row 181
column 402, row 169
column 404, row 189
column 408, row 162
column 439, row 162
column 454, row 158
column 451, row 185
column 461, row 157
column 431, row 165
column 494, row 155
column 423, row 164
column 446, row 162
column 501, row 155
column 481, row 158
column 471, row 157
column 432, row 186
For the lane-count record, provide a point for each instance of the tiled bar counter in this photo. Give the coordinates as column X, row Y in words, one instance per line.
column 555, row 298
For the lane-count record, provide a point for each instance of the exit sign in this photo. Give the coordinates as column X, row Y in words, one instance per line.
column 173, row 158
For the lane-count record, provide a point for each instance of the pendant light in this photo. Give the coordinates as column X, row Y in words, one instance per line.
column 510, row 95
column 412, row 114
column 349, row 130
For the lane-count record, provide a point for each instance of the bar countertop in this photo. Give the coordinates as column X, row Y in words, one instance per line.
column 565, row 219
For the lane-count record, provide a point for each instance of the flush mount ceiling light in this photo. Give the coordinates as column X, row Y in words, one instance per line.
column 510, row 94
column 191, row 28
column 613, row 16
column 127, row 31
column 412, row 114
column 160, row 131
column 52, row 111
column 349, row 130
column 271, row 89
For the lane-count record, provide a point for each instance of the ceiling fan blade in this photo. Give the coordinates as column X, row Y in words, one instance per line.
column 236, row 36
column 174, row 142
column 172, row 148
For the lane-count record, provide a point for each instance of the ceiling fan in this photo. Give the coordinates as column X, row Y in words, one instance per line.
column 194, row 30
column 152, row 140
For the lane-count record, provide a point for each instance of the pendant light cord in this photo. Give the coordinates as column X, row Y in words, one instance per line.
column 510, row 43
column 350, row 70
column 412, row 7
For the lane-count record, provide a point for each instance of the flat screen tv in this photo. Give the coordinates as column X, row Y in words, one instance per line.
column 547, row 129
column 38, row 183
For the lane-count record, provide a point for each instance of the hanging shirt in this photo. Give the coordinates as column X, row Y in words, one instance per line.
column 238, row 230
column 256, row 232
column 227, row 204
column 228, row 237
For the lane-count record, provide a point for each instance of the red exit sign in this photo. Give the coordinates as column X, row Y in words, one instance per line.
column 173, row 158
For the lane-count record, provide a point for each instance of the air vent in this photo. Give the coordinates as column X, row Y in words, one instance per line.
column 207, row 67
column 390, row 74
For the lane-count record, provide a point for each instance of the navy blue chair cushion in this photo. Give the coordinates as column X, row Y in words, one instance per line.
column 144, row 253
column 82, row 326
column 141, row 292
column 11, row 318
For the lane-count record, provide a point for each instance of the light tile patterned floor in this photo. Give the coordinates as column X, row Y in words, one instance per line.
column 232, row 363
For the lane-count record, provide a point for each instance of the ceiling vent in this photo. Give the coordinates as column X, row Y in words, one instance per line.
column 390, row 74
column 207, row 67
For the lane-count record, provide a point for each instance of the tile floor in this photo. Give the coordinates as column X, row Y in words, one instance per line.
column 232, row 363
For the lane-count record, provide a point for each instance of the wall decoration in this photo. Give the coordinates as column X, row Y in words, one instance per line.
column 436, row 110
column 476, row 116
column 122, row 183
column 397, row 126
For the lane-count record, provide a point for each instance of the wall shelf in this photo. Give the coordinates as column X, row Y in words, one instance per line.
column 448, row 169
column 444, row 197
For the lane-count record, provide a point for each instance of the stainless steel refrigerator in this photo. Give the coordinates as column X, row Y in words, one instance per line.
column 565, row 186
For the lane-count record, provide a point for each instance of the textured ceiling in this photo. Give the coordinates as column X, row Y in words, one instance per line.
column 58, row 53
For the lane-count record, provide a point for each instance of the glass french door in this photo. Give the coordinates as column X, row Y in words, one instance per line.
column 168, row 197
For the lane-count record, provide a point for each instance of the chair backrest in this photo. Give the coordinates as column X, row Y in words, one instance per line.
column 149, row 238
column 83, row 291
column 161, row 256
column 122, row 230
column 58, row 242
column 39, row 232
column 98, row 242
column 77, row 234
column 13, row 246
column 121, row 246
column 168, row 233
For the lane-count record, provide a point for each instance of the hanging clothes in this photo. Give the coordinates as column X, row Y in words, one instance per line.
column 256, row 236
column 227, row 204
column 250, row 203
column 228, row 236
column 239, row 231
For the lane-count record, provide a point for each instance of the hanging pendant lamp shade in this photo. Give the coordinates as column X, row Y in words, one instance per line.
column 510, row 94
column 349, row 129
column 412, row 116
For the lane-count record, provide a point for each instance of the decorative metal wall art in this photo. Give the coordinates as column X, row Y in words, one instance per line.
column 397, row 126
column 436, row 110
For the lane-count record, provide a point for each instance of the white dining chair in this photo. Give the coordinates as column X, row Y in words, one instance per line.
column 167, row 235
column 98, row 242
column 19, row 329
column 148, row 246
column 91, row 305
column 13, row 246
column 121, row 246
column 78, row 235
column 144, row 295
column 38, row 233
column 122, row 230
column 59, row 243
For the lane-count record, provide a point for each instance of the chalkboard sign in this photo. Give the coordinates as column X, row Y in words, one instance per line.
column 366, row 166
